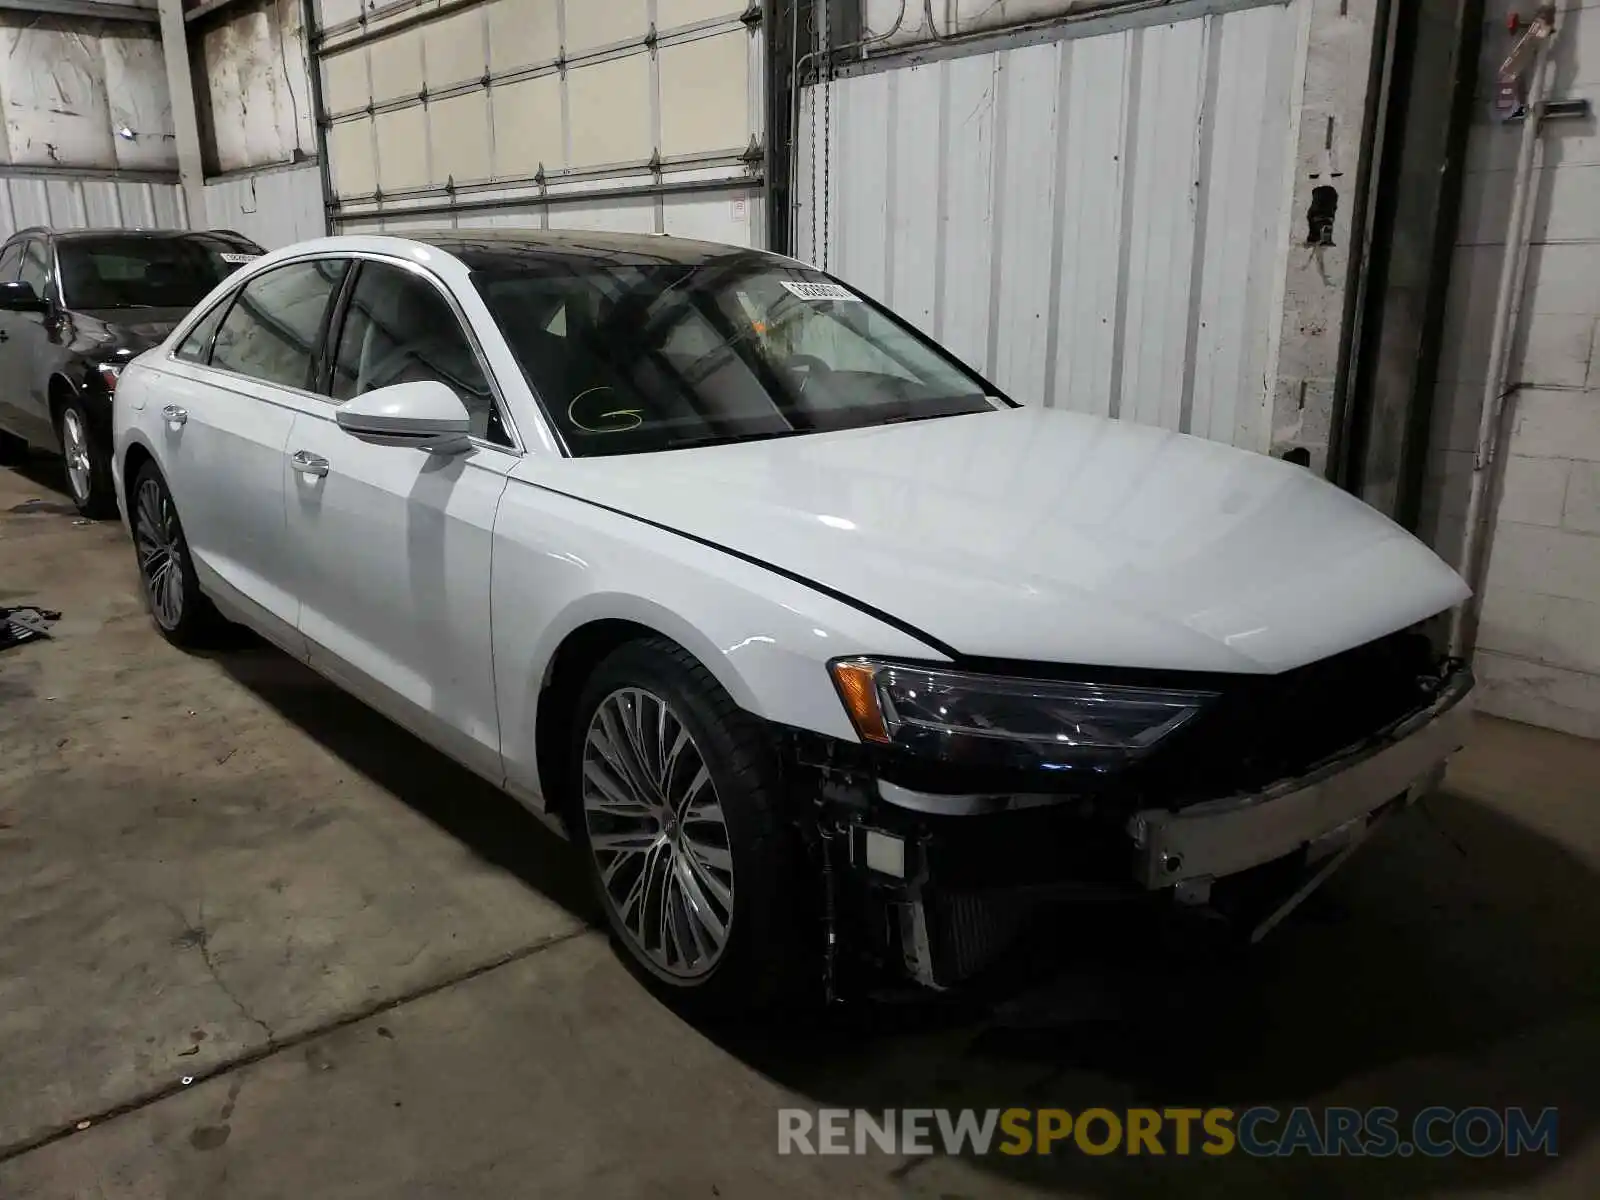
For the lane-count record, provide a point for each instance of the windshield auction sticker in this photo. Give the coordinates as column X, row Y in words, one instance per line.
column 230, row 257
column 819, row 291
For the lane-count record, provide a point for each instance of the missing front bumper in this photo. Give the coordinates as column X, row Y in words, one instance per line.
column 949, row 888
column 1225, row 837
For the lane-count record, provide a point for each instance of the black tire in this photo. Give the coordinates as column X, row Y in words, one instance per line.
column 87, row 460
column 771, row 955
column 192, row 622
column 12, row 448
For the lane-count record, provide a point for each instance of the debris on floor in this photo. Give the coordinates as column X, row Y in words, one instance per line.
column 18, row 625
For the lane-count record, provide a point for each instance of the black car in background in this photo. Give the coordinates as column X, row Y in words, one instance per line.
column 74, row 308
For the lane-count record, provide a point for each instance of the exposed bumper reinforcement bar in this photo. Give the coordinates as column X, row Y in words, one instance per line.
column 1224, row 837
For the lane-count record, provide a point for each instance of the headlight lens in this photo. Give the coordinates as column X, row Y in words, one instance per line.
column 1008, row 721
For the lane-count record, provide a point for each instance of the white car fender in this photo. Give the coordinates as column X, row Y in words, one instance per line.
column 561, row 564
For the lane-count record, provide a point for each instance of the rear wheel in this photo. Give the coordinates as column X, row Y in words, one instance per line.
column 678, row 812
column 12, row 448
column 88, row 462
column 181, row 611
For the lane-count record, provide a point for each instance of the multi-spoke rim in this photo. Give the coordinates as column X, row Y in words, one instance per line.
column 155, row 535
column 657, row 833
column 75, row 448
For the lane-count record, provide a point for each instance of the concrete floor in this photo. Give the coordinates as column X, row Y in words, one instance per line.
column 381, row 979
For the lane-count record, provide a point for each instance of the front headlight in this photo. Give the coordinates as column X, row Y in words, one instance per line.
column 1004, row 721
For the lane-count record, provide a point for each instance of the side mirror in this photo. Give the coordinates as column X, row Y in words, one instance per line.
column 18, row 296
column 426, row 415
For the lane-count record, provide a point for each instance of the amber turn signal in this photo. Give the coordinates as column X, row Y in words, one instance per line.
column 854, row 681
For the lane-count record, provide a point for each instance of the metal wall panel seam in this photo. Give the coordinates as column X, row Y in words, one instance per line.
column 727, row 157
column 1202, row 179
column 113, row 174
column 372, row 126
column 1052, row 337
column 84, row 10
column 997, row 211
column 536, row 199
column 1133, row 83
column 658, row 205
column 487, row 39
column 427, row 113
column 561, row 86
column 942, row 215
column 892, row 121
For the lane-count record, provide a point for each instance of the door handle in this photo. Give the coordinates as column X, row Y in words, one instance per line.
column 175, row 414
column 308, row 463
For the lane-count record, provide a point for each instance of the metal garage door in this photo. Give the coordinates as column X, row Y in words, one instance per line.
column 1094, row 216
column 641, row 115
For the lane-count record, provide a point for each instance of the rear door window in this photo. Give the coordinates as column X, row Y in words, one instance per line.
column 273, row 330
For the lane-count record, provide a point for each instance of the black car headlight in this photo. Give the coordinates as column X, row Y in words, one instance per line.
column 1007, row 721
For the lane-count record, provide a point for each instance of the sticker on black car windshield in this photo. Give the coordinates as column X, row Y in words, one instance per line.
column 819, row 291
column 229, row 257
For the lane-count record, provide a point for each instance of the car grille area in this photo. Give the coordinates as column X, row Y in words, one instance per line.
column 1263, row 729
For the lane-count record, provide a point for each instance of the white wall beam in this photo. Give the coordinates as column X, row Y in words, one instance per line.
column 185, row 123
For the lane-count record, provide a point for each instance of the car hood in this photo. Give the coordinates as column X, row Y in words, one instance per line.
column 1051, row 536
column 102, row 331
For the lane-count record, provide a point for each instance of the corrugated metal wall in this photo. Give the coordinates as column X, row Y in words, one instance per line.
column 1096, row 223
column 628, row 114
column 67, row 203
column 274, row 206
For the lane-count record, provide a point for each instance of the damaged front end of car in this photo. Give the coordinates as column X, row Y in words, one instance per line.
column 983, row 795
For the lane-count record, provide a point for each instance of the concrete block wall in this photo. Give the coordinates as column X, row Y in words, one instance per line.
column 1538, row 651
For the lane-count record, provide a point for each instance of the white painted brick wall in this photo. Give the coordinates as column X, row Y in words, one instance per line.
column 1538, row 656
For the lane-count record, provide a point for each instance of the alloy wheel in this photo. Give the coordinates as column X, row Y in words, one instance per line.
column 658, row 835
column 75, row 448
column 157, row 538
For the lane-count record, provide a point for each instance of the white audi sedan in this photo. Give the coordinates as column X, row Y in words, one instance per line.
column 827, row 654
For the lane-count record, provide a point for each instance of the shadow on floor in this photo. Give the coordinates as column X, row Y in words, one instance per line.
column 1454, row 962
column 49, row 474
column 494, row 826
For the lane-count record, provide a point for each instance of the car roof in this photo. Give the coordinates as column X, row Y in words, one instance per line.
column 70, row 235
column 477, row 246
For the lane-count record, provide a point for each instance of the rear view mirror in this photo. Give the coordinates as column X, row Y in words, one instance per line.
column 18, row 296
column 425, row 414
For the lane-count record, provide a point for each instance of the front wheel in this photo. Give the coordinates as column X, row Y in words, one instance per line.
column 678, row 812
column 182, row 612
column 88, row 462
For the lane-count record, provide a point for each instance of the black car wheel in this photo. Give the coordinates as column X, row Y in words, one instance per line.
column 181, row 611
column 678, row 812
column 88, row 462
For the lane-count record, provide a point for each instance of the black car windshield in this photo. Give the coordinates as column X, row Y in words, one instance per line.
column 630, row 357
column 144, row 272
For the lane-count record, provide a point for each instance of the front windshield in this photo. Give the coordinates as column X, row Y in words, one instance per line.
column 144, row 272
column 632, row 358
